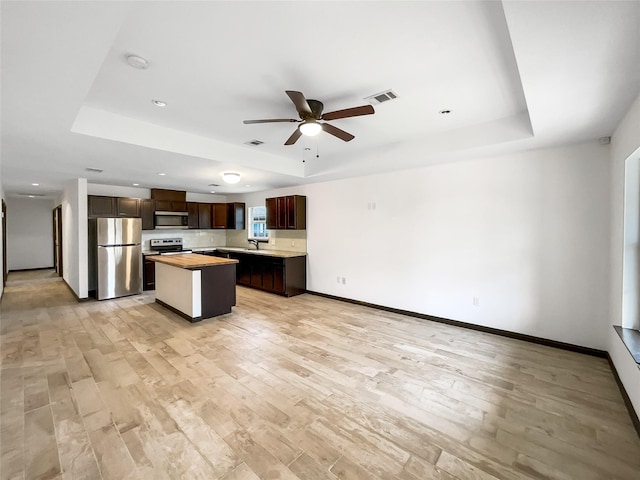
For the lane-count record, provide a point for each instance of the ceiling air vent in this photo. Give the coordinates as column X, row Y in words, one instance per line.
column 382, row 97
column 254, row 143
column 95, row 170
column 214, row 185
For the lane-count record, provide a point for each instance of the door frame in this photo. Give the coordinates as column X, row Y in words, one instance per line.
column 5, row 268
column 57, row 240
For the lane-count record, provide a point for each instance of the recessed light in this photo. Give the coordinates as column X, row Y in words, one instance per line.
column 212, row 191
column 137, row 62
column 32, row 196
column 444, row 112
column 231, row 177
column 136, row 184
column 162, row 174
column 35, row 184
column 159, row 103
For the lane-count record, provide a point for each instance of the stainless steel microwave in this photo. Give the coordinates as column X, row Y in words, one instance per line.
column 174, row 220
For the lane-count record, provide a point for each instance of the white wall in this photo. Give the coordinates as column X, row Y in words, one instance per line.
column 524, row 234
column 29, row 233
column 74, row 236
column 625, row 143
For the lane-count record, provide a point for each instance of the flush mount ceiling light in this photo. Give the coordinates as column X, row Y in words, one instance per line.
column 159, row 103
column 162, row 174
column 310, row 128
column 231, row 177
column 35, row 184
column 136, row 184
column 137, row 62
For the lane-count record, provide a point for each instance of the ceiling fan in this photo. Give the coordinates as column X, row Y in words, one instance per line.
column 310, row 112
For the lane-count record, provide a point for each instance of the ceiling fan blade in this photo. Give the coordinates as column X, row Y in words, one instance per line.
column 299, row 101
column 337, row 132
column 349, row 112
column 271, row 120
column 294, row 137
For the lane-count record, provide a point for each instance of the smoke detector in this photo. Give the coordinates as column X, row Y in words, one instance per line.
column 137, row 62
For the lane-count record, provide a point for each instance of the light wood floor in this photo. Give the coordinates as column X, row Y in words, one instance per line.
column 300, row 388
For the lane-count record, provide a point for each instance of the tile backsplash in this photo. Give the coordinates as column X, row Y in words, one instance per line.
column 286, row 240
column 190, row 238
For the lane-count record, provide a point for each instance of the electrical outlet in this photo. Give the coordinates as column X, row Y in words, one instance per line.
column 476, row 301
column 344, row 281
column 293, row 243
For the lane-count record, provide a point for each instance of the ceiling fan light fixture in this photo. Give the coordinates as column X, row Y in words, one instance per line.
column 231, row 177
column 310, row 128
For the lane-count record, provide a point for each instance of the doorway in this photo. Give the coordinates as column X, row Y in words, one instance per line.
column 57, row 240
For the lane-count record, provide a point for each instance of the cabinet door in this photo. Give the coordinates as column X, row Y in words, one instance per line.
column 235, row 216
column 192, row 219
column 256, row 273
column 147, row 207
column 204, row 215
column 100, row 206
column 296, row 206
column 163, row 205
column 281, row 212
column 178, row 206
column 278, row 279
column 272, row 213
column 149, row 275
column 127, row 207
column 243, row 269
column 218, row 215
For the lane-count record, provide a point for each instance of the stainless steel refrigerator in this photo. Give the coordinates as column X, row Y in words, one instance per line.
column 115, row 257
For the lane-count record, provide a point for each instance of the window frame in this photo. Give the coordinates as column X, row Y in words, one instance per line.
column 251, row 221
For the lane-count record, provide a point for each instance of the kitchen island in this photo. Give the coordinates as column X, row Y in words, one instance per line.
column 195, row 286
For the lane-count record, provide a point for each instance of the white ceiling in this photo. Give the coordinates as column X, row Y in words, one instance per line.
column 516, row 75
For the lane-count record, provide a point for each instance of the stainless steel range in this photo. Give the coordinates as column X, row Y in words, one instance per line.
column 168, row 246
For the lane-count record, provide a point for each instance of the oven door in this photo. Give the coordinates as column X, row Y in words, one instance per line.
column 171, row 220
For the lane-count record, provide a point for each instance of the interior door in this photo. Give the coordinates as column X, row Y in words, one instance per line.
column 57, row 239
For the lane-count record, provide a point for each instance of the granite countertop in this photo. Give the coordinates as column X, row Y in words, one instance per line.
column 192, row 261
column 269, row 253
column 252, row 251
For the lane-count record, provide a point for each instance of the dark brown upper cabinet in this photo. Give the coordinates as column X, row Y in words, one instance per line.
column 127, row 207
column 99, row 206
column 171, row 206
column 147, row 207
column 192, row 211
column 103, row 206
column 296, row 212
column 218, row 215
column 236, row 216
column 204, row 215
column 287, row 213
column 272, row 213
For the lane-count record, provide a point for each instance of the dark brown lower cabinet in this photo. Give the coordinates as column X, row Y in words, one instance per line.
column 149, row 275
column 284, row 276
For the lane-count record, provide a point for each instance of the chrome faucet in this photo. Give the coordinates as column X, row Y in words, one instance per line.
column 255, row 242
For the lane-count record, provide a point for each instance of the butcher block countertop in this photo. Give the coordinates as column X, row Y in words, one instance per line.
column 191, row 261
